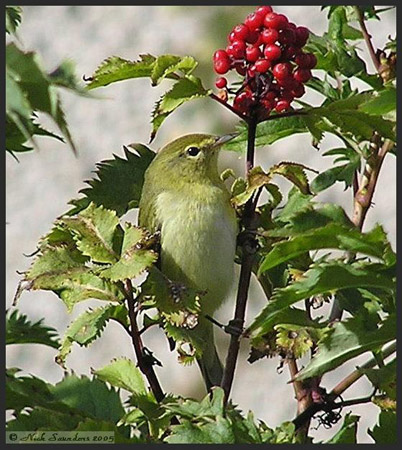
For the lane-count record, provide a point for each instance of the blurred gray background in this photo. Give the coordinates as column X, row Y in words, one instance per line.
column 39, row 187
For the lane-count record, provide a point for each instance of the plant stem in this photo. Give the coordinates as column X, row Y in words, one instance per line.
column 247, row 261
column 340, row 388
column 367, row 38
column 145, row 366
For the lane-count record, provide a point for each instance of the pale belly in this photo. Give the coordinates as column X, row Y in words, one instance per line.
column 198, row 241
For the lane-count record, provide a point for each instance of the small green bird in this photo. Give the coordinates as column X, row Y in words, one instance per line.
column 184, row 198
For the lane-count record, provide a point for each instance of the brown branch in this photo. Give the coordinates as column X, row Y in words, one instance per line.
column 247, row 262
column 340, row 388
column 144, row 365
column 367, row 38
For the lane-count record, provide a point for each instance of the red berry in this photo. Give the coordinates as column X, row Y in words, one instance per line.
column 243, row 101
column 252, row 71
column 298, row 91
column 282, row 106
column 269, row 36
column 287, row 95
column 232, row 36
column 268, row 105
column 290, row 52
column 262, row 65
column 253, row 36
column 270, row 95
column 282, row 71
column 302, row 34
column 287, row 82
column 277, row 21
column 291, row 26
column 222, row 66
column 220, row 54
column 272, row 52
column 254, row 21
column 287, row 36
column 263, row 10
column 313, row 60
column 302, row 75
column 237, row 49
column 252, row 54
column 241, row 32
column 221, row 82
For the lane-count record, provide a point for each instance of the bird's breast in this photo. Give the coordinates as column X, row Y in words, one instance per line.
column 198, row 241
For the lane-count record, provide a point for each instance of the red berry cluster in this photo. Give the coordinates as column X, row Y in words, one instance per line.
column 267, row 50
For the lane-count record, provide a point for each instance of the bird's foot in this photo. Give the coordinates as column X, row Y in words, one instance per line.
column 234, row 326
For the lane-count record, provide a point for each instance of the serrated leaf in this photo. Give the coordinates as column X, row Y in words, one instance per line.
column 119, row 181
column 348, row 340
column 385, row 432
column 348, row 431
column 382, row 103
column 89, row 326
column 94, row 230
column 321, row 279
column 331, row 236
column 269, row 132
column 63, row 271
column 135, row 256
column 186, row 89
column 122, row 373
column 165, row 65
column 218, row 431
column 19, row 330
column 295, row 173
column 256, row 179
column 115, row 69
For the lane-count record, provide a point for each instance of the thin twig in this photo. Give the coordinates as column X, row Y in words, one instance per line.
column 229, row 107
column 145, row 366
column 367, row 38
column 248, row 254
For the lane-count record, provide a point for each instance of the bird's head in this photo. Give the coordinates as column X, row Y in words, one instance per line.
column 190, row 158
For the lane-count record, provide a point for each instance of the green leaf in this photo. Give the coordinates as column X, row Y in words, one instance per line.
column 323, row 278
column 122, row 373
column 166, row 65
column 382, row 103
column 13, row 18
column 89, row 326
column 62, row 271
column 331, row 236
column 348, row 340
column 116, row 69
column 269, row 132
column 91, row 396
column 347, row 433
column 19, row 330
column 38, row 87
column 218, row 431
column 184, row 90
column 385, row 432
column 295, row 173
column 135, row 256
column 119, row 181
column 94, row 229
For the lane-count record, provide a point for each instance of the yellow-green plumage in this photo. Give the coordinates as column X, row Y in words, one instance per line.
column 184, row 198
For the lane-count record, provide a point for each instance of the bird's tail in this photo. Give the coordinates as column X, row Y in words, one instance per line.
column 209, row 363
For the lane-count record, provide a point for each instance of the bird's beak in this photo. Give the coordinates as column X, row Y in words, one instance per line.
column 225, row 138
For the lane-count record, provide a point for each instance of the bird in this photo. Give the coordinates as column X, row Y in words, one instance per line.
column 184, row 199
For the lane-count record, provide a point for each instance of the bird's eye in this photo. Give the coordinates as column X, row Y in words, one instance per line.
column 193, row 151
